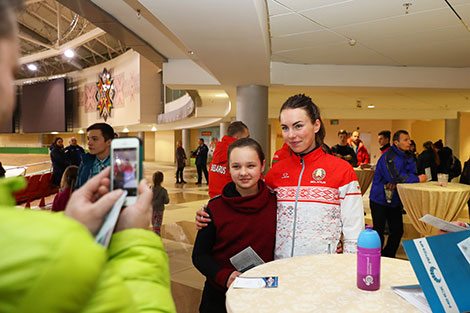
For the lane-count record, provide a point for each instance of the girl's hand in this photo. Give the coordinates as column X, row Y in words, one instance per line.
column 232, row 277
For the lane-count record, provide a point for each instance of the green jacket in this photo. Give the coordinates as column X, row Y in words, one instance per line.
column 50, row 263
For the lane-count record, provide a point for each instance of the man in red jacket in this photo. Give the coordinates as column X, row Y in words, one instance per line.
column 358, row 147
column 219, row 175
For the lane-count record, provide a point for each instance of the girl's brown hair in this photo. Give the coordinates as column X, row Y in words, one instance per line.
column 157, row 178
column 69, row 177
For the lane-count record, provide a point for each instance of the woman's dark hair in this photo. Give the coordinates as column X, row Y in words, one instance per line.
column 54, row 144
column 427, row 145
column 246, row 142
column 438, row 144
column 69, row 177
column 304, row 102
column 157, row 178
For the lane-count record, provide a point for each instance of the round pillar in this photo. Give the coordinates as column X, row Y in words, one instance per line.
column 252, row 109
column 186, row 134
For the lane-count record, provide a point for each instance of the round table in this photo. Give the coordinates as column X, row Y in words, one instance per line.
column 322, row 283
column 364, row 177
column 420, row 199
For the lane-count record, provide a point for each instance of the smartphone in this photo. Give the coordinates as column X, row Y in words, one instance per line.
column 126, row 166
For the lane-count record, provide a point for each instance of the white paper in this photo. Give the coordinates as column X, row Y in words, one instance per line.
column 414, row 295
column 441, row 224
column 427, row 171
column 106, row 231
column 464, row 246
column 249, row 282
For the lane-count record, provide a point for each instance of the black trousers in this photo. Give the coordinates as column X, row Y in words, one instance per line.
column 213, row 300
column 200, row 169
column 179, row 175
column 394, row 218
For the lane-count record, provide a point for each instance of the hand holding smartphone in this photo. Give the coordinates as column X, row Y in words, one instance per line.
column 126, row 166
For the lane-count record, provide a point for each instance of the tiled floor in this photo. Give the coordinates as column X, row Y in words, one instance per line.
column 178, row 230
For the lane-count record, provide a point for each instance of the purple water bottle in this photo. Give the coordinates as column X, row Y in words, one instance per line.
column 368, row 259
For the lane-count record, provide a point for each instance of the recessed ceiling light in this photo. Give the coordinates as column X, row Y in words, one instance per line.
column 32, row 67
column 125, row 130
column 154, row 129
column 69, row 53
column 54, row 133
column 352, row 42
column 221, row 95
column 81, row 131
column 371, row 106
column 190, row 52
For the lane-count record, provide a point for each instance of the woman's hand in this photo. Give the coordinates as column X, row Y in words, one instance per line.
column 458, row 223
column 202, row 218
column 138, row 215
column 90, row 203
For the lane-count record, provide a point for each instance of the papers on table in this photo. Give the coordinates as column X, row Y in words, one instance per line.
column 441, row 224
column 255, row 282
column 414, row 295
column 246, row 259
column 443, row 270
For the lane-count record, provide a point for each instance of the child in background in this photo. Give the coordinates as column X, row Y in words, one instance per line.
column 243, row 215
column 160, row 198
column 67, row 186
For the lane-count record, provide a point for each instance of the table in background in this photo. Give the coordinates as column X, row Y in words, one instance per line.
column 322, row 283
column 420, row 199
column 364, row 177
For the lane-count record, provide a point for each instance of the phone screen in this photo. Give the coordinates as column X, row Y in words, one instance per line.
column 125, row 170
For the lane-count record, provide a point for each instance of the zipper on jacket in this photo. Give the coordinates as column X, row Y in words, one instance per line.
column 295, row 205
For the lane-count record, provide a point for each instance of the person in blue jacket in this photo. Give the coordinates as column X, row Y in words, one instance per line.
column 99, row 142
column 395, row 166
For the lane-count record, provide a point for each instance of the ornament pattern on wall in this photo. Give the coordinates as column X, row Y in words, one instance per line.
column 105, row 94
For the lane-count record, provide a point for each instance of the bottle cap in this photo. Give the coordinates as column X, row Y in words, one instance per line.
column 369, row 239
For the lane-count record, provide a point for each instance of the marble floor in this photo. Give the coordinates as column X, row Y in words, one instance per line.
column 178, row 229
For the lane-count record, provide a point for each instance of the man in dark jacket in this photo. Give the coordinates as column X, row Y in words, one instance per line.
column 394, row 166
column 73, row 152
column 342, row 150
column 99, row 143
column 201, row 161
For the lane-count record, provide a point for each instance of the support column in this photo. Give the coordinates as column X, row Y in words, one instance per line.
column 452, row 134
column 252, row 109
column 186, row 134
column 40, row 140
column 84, row 141
column 223, row 129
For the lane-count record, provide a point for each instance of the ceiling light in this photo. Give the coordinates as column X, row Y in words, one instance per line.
column 190, row 52
column 154, row 129
column 352, row 42
column 32, row 67
column 125, row 130
column 54, row 133
column 81, row 131
column 69, row 53
column 371, row 106
column 221, row 95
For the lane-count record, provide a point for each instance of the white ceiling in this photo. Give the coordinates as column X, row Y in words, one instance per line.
column 235, row 41
column 317, row 32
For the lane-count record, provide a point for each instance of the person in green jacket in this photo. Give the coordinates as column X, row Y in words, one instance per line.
column 49, row 263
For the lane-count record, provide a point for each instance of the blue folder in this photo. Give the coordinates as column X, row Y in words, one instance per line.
column 442, row 270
